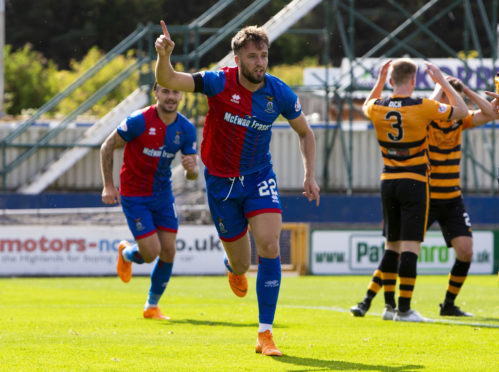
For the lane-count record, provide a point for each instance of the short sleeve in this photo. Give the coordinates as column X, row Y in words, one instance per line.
column 132, row 127
column 367, row 108
column 468, row 121
column 213, row 82
column 190, row 146
column 292, row 106
column 436, row 110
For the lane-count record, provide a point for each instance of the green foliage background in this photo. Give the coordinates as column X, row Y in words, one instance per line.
column 51, row 42
column 31, row 80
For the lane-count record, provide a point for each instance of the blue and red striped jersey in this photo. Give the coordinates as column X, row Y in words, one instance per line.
column 237, row 130
column 150, row 149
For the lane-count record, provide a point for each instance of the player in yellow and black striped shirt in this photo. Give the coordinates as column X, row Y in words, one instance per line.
column 446, row 204
column 401, row 123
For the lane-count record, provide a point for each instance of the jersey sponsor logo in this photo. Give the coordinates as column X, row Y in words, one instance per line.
column 270, row 105
column 246, row 121
column 159, row 153
column 442, row 108
column 235, row 98
column 123, row 126
column 297, row 105
column 398, row 152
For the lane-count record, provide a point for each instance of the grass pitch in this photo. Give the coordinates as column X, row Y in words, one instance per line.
column 96, row 324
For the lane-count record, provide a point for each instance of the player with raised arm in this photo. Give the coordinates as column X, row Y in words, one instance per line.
column 446, row 203
column 151, row 137
column 401, row 124
column 244, row 101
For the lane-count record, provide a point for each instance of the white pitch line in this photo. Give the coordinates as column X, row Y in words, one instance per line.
column 428, row 320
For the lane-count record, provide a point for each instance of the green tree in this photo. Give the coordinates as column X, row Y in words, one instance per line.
column 30, row 79
column 80, row 95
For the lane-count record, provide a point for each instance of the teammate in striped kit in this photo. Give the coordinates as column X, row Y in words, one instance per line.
column 244, row 101
column 151, row 137
column 401, row 124
column 446, row 202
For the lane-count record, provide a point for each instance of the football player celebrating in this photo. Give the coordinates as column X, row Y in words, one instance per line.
column 151, row 137
column 244, row 101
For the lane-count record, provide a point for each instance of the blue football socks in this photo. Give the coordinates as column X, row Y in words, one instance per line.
column 226, row 262
column 160, row 277
column 132, row 254
column 268, row 283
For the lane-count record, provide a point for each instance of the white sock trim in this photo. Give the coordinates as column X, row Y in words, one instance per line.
column 124, row 257
column 262, row 327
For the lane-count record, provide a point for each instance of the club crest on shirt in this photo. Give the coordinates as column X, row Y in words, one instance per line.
column 235, row 98
column 152, row 131
column 221, row 226
column 270, row 105
column 442, row 108
column 177, row 138
column 138, row 224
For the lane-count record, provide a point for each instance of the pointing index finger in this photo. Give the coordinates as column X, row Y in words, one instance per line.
column 165, row 31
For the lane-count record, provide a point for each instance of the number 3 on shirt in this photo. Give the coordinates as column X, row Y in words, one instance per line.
column 395, row 125
column 267, row 187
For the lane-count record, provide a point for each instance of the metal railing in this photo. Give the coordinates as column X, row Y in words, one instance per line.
column 340, row 16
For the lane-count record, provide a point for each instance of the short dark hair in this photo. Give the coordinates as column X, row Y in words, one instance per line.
column 249, row 34
column 457, row 85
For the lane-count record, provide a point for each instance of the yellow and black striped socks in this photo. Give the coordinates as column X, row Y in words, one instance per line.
column 457, row 276
column 389, row 265
column 407, row 277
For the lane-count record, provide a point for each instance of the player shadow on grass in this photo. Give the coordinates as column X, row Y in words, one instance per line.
column 467, row 322
column 207, row 322
column 486, row 319
column 341, row 365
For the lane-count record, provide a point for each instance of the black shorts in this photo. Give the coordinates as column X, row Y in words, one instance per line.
column 452, row 217
column 405, row 209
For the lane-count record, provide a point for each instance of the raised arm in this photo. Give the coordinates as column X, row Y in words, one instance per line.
column 494, row 103
column 166, row 75
column 380, row 82
column 436, row 95
column 485, row 112
column 460, row 110
column 307, row 148
column 110, row 194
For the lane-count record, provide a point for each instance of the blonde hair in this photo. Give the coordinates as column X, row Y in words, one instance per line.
column 403, row 69
column 249, row 34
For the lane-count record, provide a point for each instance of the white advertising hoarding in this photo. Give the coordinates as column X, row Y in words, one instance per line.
column 92, row 250
column 359, row 252
column 477, row 73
